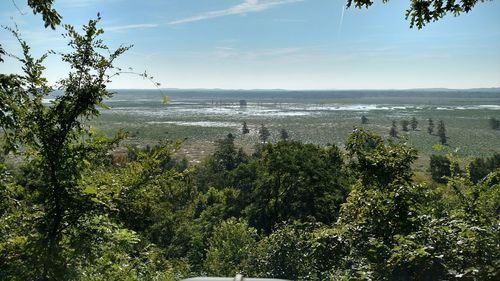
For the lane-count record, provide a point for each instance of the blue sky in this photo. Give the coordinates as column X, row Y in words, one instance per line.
column 286, row 44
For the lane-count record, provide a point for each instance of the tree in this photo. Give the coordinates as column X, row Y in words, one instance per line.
column 375, row 162
column 216, row 168
column 244, row 129
column 439, row 168
column 264, row 133
column 286, row 253
column 404, row 125
column 442, row 132
column 414, row 123
column 284, row 135
column 421, row 12
column 479, row 168
column 227, row 155
column 294, row 181
column 430, row 128
column 394, row 131
column 494, row 123
column 229, row 248
column 364, row 120
column 55, row 142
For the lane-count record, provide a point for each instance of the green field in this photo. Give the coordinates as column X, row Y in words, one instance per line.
column 202, row 117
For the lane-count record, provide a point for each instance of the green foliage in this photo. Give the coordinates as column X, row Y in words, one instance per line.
column 479, row 168
column 439, row 168
column 286, row 253
column 295, row 181
column 421, row 12
column 494, row 123
column 430, row 128
column 264, row 133
column 442, row 132
column 244, row 129
column 404, row 125
column 414, row 123
column 69, row 212
column 376, row 162
column 50, row 16
column 216, row 170
column 229, row 248
column 394, row 131
column 284, row 135
column 364, row 120
column 54, row 142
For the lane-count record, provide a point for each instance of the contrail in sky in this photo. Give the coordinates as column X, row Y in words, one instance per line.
column 341, row 19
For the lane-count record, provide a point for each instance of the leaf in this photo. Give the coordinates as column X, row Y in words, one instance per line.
column 103, row 105
column 438, row 147
column 90, row 190
column 165, row 100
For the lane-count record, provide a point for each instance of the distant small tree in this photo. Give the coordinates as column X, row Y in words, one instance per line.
column 394, row 130
column 264, row 133
column 494, row 123
column 430, row 129
column 244, row 129
column 404, row 125
column 284, row 135
column 414, row 124
column 364, row 120
column 442, row 132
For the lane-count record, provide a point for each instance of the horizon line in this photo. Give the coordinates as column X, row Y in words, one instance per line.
column 324, row 89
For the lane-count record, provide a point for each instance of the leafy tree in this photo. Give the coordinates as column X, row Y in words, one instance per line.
column 216, row 169
column 394, row 131
column 430, row 128
column 211, row 209
column 404, row 125
column 479, row 168
column 442, row 132
column 244, row 129
column 389, row 228
column 414, row 124
column 55, row 142
column 284, row 135
column 421, row 12
column 383, row 203
column 374, row 162
column 364, row 120
column 264, row 133
column 295, row 181
column 229, row 248
column 286, row 253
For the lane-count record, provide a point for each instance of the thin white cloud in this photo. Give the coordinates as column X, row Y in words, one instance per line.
column 248, row 6
column 131, row 26
column 254, row 55
column 81, row 3
column 289, row 20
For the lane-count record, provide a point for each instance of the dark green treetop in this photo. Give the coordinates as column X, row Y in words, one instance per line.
column 422, row 12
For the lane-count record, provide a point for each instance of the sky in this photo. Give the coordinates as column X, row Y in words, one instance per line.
column 273, row 44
